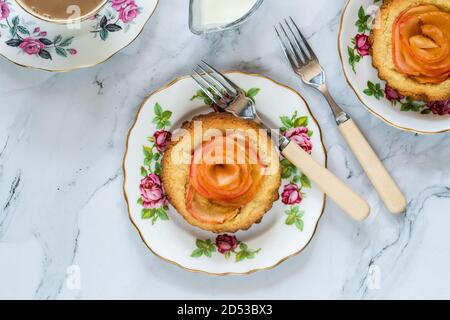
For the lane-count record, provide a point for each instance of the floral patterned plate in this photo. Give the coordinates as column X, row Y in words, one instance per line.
column 285, row 230
column 30, row 42
column 398, row 111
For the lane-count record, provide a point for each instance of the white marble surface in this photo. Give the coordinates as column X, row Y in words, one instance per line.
column 62, row 138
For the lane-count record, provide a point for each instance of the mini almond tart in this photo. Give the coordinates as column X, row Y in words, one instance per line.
column 216, row 190
column 411, row 47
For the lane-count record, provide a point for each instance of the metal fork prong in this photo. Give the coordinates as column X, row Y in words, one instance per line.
column 305, row 42
column 286, row 51
column 297, row 43
column 299, row 59
column 216, row 81
column 205, row 89
column 210, row 85
column 224, row 78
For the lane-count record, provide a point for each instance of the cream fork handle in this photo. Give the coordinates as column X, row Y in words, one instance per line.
column 348, row 200
column 384, row 184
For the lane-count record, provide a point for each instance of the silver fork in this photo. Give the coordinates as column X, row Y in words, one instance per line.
column 231, row 98
column 305, row 63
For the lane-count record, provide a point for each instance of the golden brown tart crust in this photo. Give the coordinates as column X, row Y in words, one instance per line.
column 175, row 177
column 381, row 41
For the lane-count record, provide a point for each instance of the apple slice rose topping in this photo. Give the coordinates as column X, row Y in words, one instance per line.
column 225, row 174
column 421, row 43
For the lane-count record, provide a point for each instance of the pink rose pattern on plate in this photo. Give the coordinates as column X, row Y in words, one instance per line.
column 300, row 136
column 152, row 192
column 118, row 17
column 360, row 48
column 292, row 195
column 226, row 245
column 4, row 10
column 32, row 41
column 153, row 198
column 162, row 139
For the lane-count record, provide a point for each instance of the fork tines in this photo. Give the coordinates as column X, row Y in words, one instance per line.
column 295, row 45
column 214, row 84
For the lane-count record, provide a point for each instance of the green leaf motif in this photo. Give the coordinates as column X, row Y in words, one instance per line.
column 197, row 253
column 374, row 90
column 23, row 30
column 287, row 169
column 286, row 122
column 104, row 34
column 44, row 54
column 14, row 42
column 148, row 213
column 162, row 117
column 158, row 109
column 200, row 95
column 66, row 42
column 15, row 21
column 155, row 214
column 144, row 171
column 57, row 39
column 113, row 27
column 353, row 58
column 295, row 217
column 293, row 122
column 252, row 93
column 46, row 41
column 206, row 248
column 245, row 253
column 301, row 122
column 411, row 105
column 304, row 180
column 61, row 52
column 162, row 214
column 363, row 21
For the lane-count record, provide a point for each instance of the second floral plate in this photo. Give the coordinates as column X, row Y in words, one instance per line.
column 398, row 111
column 285, row 230
column 30, row 42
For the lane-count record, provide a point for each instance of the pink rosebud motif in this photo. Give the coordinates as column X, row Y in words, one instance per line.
column 162, row 139
column 392, row 94
column 362, row 44
column 37, row 30
column 127, row 9
column 441, row 108
column 43, row 33
column 152, row 193
column 73, row 51
column 291, row 194
column 226, row 243
column 300, row 136
column 4, row 10
column 31, row 46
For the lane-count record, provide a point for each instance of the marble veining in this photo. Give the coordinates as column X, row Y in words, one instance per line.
column 62, row 139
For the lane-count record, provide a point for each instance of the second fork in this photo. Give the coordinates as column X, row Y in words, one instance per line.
column 305, row 63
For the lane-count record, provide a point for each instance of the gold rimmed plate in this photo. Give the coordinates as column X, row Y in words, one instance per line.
column 285, row 230
column 354, row 50
column 31, row 42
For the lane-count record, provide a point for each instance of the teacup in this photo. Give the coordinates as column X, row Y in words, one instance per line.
column 62, row 11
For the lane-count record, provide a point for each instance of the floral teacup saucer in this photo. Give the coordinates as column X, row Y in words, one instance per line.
column 284, row 231
column 30, row 42
column 354, row 49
